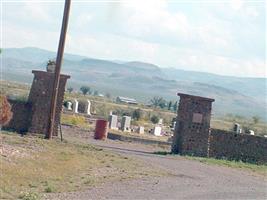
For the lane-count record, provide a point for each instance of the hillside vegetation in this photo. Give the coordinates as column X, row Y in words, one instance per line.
column 236, row 95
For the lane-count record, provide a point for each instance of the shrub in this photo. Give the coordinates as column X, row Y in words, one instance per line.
column 73, row 120
column 154, row 119
column 29, row 196
column 5, row 111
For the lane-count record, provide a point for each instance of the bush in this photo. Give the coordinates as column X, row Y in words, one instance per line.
column 5, row 111
column 154, row 119
column 73, row 120
column 29, row 196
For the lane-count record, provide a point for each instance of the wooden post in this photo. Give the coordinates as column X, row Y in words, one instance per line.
column 60, row 52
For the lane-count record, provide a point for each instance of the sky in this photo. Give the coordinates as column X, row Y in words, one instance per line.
column 221, row 37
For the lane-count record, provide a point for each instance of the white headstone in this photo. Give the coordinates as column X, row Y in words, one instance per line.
column 126, row 123
column 113, row 122
column 75, row 106
column 251, row 132
column 237, row 128
column 157, row 131
column 141, row 130
column 160, row 121
column 69, row 104
column 88, row 107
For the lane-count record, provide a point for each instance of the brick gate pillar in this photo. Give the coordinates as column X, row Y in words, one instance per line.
column 192, row 125
column 40, row 98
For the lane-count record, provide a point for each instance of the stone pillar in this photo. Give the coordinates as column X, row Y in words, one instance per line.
column 75, row 106
column 192, row 128
column 40, row 99
column 88, row 107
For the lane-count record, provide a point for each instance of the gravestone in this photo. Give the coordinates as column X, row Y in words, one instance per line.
column 237, row 128
column 141, row 130
column 157, row 131
column 113, row 122
column 69, row 104
column 75, row 106
column 160, row 121
column 192, row 128
column 88, row 107
column 251, row 132
column 126, row 123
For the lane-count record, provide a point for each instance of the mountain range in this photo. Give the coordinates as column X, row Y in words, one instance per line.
column 142, row 81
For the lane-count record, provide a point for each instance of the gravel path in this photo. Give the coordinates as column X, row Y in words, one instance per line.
column 189, row 180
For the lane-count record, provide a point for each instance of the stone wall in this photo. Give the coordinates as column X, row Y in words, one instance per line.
column 40, row 98
column 21, row 118
column 228, row 145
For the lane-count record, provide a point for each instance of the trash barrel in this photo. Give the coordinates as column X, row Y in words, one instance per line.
column 101, row 129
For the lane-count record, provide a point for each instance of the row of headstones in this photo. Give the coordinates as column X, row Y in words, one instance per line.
column 238, row 129
column 73, row 106
column 126, row 125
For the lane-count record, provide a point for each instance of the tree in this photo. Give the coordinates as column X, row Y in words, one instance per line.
column 175, row 106
column 170, row 105
column 85, row 90
column 96, row 93
column 158, row 102
column 136, row 114
column 154, row 119
column 255, row 119
column 70, row 89
column 108, row 95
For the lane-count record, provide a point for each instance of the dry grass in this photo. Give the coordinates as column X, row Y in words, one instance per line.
column 54, row 166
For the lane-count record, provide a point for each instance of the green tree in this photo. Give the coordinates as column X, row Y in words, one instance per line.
column 170, row 105
column 175, row 106
column 154, row 119
column 108, row 95
column 255, row 119
column 136, row 114
column 70, row 89
column 158, row 102
column 96, row 93
column 85, row 90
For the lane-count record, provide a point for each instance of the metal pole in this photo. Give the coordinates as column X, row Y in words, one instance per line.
column 60, row 52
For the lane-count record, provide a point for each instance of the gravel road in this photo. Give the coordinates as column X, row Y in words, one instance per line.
column 189, row 180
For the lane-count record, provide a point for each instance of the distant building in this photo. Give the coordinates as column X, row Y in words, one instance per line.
column 126, row 100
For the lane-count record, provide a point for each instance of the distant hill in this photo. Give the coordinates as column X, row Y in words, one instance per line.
column 142, row 81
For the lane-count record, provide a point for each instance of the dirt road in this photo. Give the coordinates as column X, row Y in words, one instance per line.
column 188, row 180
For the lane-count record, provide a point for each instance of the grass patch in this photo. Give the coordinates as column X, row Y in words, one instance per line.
column 259, row 169
column 38, row 166
column 74, row 120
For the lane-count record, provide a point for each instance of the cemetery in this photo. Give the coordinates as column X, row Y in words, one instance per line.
column 190, row 134
column 59, row 143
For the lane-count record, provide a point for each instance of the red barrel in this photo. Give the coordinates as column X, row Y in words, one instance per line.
column 101, row 129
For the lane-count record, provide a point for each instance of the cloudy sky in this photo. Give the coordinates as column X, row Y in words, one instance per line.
column 222, row 37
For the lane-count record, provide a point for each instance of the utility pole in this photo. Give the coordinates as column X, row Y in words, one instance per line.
column 60, row 52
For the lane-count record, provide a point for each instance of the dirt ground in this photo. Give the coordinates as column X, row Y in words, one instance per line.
column 187, row 179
